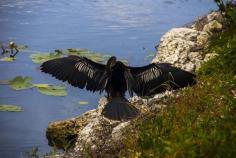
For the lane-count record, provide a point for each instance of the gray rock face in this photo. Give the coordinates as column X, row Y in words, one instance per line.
column 183, row 47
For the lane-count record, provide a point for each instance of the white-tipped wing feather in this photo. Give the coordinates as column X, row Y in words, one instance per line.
column 78, row 71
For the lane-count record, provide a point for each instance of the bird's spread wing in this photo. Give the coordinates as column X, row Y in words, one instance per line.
column 138, row 77
column 78, row 71
column 156, row 78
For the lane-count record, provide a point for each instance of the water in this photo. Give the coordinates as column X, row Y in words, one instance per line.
column 129, row 29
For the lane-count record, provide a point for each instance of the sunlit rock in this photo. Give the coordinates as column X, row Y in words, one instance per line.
column 213, row 26
column 203, row 38
column 184, row 47
column 176, row 46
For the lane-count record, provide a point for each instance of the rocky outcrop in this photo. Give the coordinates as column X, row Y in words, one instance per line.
column 92, row 135
column 184, row 47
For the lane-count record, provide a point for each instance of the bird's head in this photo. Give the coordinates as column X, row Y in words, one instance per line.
column 111, row 62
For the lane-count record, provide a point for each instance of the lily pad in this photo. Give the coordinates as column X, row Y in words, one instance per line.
column 83, row 102
column 10, row 108
column 20, row 83
column 51, row 90
column 39, row 58
column 97, row 57
column 41, row 85
column 8, row 59
column 75, row 51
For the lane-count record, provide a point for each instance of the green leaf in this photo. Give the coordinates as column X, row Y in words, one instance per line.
column 39, row 58
column 41, row 85
column 7, row 59
column 10, row 108
column 83, row 102
column 97, row 57
column 51, row 90
column 20, row 83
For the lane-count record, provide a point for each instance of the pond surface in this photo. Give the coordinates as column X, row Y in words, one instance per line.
column 129, row 29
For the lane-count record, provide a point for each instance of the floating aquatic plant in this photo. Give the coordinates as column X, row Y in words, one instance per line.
column 83, row 102
column 23, row 83
column 51, row 90
column 39, row 58
column 8, row 59
column 20, row 83
column 10, row 108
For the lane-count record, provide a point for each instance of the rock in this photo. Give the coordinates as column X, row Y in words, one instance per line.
column 213, row 26
column 199, row 23
column 92, row 135
column 183, row 47
column 118, row 131
column 176, row 47
column 215, row 16
column 202, row 21
column 203, row 38
column 58, row 134
column 209, row 56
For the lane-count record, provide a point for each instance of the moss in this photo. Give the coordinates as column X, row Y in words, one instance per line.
column 61, row 134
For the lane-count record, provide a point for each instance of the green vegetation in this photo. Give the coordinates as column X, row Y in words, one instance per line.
column 23, row 83
column 33, row 153
column 20, row 83
column 10, row 108
column 7, row 59
column 83, row 103
column 201, row 121
column 51, row 90
column 39, row 58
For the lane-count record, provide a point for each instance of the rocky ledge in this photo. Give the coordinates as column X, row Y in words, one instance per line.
column 92, row 135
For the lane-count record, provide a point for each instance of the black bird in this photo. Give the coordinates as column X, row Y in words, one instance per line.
column 116, row 78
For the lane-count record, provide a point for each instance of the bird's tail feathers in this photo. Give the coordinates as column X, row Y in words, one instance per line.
column 119, row 108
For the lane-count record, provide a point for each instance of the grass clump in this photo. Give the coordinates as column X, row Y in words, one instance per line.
column 201, row 122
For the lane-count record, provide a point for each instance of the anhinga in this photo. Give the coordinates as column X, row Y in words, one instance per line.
column 116, row 78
